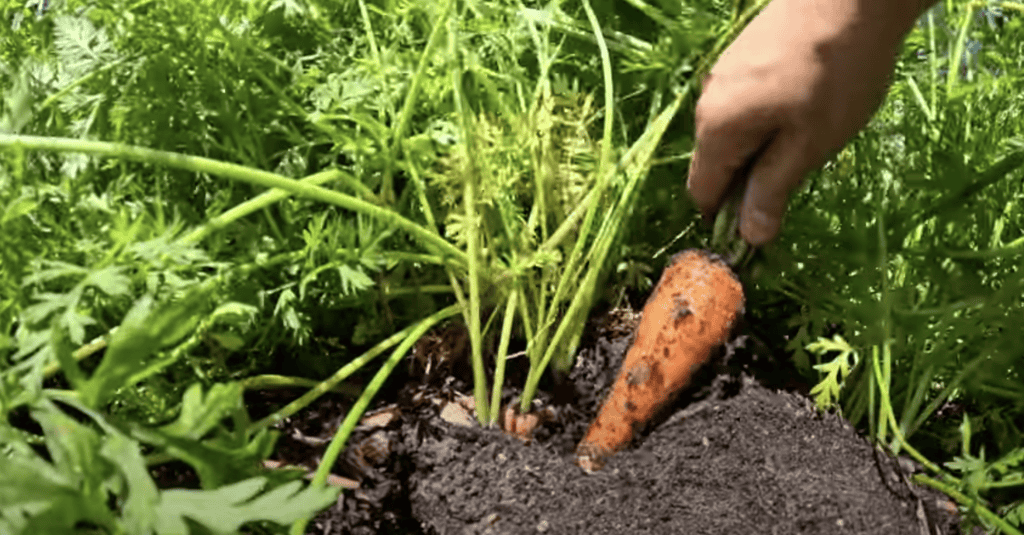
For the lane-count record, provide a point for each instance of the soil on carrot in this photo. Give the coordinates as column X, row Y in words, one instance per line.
column 732, row 455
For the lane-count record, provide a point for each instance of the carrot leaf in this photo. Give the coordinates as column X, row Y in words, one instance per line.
column 826, row 392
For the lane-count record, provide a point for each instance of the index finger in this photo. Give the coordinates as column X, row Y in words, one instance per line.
column 727, row 141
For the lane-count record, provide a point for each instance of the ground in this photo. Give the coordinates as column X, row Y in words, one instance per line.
column 732, row 455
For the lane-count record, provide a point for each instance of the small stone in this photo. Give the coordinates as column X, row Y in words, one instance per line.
column 542, row 526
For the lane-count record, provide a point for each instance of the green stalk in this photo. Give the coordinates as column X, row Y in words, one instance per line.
column 66, row 90
column 79, row 354
column 268, row 381
column 261, row 201
column 953, row 72
column 636, row 162
column 237, row 172
column 570, row 221
column 945, row 394
column 607, row 236
column 1002, row 484
column 414, row 290
column 542, row 175
column 886, row 412
column 929, row 114
column 499, row 365
column 898, row 437
column 538, row 220
column 528, row 324
column 421, row 193
column 331, row 382
column 370, row 38
column 622, row 43
column 968, row 502
column 933, row 62
column 569, row 270
column 541, row 101
column 403, row 256
column 402, row 124
column 334, row 449
column 470, row 176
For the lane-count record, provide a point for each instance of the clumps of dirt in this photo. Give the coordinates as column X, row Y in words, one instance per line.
column 758, row 462
column 730, row 456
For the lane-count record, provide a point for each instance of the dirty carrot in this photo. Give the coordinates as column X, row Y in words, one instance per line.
column 691, row 312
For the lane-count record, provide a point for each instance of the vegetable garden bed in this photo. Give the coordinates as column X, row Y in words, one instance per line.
column 731, row 456
column 216, row 214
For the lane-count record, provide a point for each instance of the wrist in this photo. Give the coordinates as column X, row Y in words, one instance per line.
column 897, row 17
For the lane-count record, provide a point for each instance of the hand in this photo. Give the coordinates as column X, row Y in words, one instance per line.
column 800, row 80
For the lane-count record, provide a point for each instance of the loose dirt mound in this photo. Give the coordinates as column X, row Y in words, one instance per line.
column 758, row 462
column 730, row 457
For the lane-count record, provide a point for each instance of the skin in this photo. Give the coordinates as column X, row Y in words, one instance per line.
column 793, row 88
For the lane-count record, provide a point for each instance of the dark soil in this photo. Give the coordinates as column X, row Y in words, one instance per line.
column 733, row 455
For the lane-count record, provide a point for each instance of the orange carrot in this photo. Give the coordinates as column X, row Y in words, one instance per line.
column 690, row 313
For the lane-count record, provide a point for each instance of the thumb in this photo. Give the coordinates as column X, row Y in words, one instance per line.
column 773, row 177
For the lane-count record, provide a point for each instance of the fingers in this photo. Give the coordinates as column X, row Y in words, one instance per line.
column 773, row 177
column 728, row 137
column 773, row 158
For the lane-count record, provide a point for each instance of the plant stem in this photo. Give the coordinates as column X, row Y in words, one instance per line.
column 402, row 124
column 268, row 381
column 470, row 176
column 412, row 334
column 261, row 201
column 232, row 171
column 886, row 412
column 500, row 359
column 953, row 68
column 595, row 196
column 421, row 193
column 636, row 163
column 966, row 501
column 901, row 441
column 329, row 384
column 370, row 38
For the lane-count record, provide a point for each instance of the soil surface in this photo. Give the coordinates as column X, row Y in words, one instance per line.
column 733, row 455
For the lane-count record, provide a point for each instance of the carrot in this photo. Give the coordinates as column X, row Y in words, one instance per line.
column 691, row 312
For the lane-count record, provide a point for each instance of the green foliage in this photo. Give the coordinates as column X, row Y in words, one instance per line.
column 437, row 158
column 976, row 475
column 89, row 463
column 826, row 392
column 123, row 261
column 228, row 508
column 909, row 244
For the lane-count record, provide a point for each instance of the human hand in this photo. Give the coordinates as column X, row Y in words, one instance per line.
column 800, row 80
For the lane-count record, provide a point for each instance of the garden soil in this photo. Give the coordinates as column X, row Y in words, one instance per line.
column 735, row 454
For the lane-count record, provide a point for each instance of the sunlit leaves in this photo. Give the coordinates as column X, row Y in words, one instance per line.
column 80, row 46
column 826, row 392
